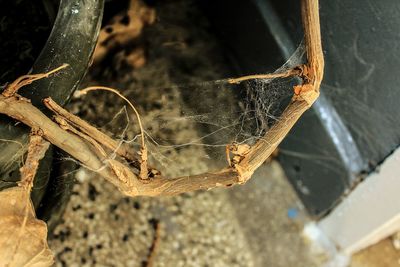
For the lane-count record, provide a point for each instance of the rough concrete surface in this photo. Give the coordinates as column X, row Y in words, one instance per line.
column 243, row 226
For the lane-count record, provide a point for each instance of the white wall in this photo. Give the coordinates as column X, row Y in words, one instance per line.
column 370, row 213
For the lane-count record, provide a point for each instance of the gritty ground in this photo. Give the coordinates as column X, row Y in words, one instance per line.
column 244, row 226
column 103, row 228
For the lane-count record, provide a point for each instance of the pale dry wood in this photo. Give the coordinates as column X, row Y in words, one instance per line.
column 122, row 149
column 143, row 169
column 244, row 165
column 306, row 94
column 287, row 73
column 29, row 247
column 154, row 246
column 23, row 238
column 25, row 112
column 125, row 180
column 13, row 88
column 66, row 126
column 312, row 37
column 36, row 149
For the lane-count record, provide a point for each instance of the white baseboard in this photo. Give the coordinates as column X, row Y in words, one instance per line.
column 370, row 213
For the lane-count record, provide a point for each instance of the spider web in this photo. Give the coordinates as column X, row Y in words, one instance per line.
column 189, row 133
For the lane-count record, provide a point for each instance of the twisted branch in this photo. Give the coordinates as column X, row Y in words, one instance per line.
column 125, row 178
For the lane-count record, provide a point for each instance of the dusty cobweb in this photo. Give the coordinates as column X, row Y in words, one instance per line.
column 219, row 112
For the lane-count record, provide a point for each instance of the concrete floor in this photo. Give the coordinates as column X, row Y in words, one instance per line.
column 244, row 226
column 272, row 219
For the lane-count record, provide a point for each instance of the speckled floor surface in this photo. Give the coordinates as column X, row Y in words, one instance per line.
column 103, row 228
column 243, row 226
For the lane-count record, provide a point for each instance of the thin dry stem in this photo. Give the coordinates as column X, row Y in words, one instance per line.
column 96, row 88
column 143, row 151
column 306, row 95
column 121, row 148
column 155, row 245
column 312, row 34
column 244, row 163
column 115, row 172
column 13, row 88
column 287, row 73
column 66, row 126
column 36, row 149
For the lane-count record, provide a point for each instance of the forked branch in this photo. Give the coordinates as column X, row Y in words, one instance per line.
column 305, row 94
column 130, row 182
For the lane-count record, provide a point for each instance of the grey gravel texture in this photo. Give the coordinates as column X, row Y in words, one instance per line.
column 103, row 228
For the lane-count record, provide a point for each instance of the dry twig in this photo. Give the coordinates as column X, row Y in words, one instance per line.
column 121, row 148
column 36, row 149
column 143, row 151
column 287, row 73
column 13, row 88
column 23, row 238
column 242, row 167
column 154, row 245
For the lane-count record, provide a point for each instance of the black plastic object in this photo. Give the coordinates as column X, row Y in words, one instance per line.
column 72, row 41
column 20, row 45
column 356, row 122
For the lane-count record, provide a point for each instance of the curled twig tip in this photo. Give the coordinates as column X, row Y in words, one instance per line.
column 24, row 80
